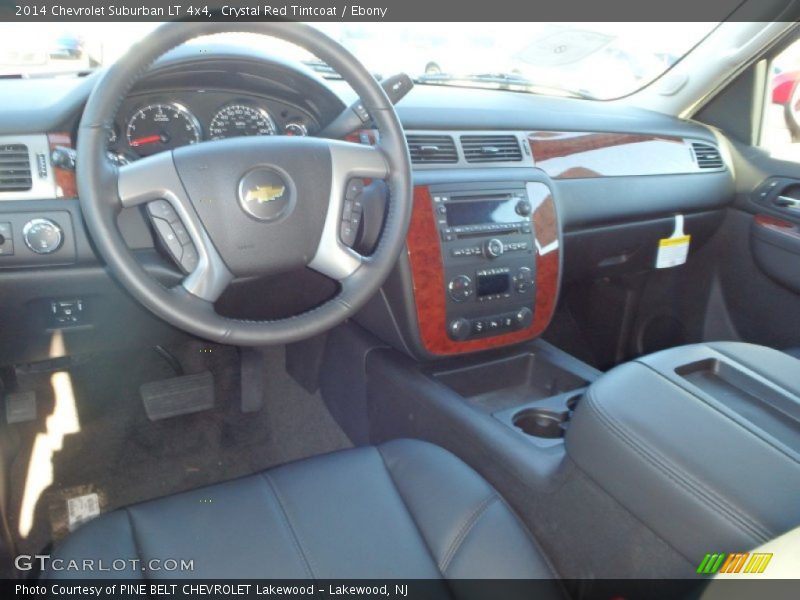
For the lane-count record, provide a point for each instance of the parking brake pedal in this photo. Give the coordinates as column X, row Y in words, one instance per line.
column 20, row 407
column 178, row 395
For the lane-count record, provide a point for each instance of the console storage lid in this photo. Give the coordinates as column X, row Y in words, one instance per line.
column 701, row 442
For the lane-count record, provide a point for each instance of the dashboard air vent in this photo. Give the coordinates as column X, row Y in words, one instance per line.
column 707, row 156
column 491, row 148
column 432, row 149
column 15, row 168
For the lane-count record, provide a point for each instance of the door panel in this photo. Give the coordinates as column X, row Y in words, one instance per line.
column 762, row 290
column 776, row 246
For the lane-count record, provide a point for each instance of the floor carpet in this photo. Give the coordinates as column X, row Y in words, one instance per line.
column 124, row 458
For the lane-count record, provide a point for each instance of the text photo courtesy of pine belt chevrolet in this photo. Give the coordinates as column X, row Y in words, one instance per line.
column 362, row 306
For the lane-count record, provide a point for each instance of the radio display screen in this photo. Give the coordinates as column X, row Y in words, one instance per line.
column 476, row 211
column 489, row 285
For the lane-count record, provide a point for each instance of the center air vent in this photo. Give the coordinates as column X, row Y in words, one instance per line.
column 707, row 156
column 432, row 149
column 15, row 168
column 491, row 148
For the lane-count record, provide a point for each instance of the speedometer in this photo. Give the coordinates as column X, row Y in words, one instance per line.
column 236, row 120
column 158, row 127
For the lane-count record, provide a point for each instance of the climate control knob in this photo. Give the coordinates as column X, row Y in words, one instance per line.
column 42, row 236
column 459, row 329
column 460, row 288
column 523, row 318
column 523, row 280
column 493, row 248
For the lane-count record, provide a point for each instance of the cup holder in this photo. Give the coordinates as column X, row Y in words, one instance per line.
column 572, row 403
column 541, row 423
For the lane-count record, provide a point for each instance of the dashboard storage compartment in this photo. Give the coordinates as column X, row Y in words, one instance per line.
column 511, row 381
column 701, row 443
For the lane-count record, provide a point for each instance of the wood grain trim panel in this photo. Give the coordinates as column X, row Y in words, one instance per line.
column 66, row 185
column 778, row 225
column 427, row 272
column 574, row 155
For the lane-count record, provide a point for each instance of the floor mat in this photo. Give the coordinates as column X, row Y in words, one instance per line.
column 116, row 453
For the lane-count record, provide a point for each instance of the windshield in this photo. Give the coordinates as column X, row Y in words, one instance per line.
column 595, row 60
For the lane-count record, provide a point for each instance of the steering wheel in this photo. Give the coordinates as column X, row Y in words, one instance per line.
column 251, row 206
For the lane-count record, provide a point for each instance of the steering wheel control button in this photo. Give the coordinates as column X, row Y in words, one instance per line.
column 460, row 288
column 352, row 212
column 6, row 240
column 348, row 233
column 355, row 187
column 181, row 233
column 177, row 241
column 189, row 259
column 167, row 235
column 265, row 194
column 42, row 236
column 162, row 210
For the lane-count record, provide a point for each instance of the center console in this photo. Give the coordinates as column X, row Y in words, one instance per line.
column 701, row 443
column 484, row 260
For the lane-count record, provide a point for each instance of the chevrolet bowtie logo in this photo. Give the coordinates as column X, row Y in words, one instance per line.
column 264, row 193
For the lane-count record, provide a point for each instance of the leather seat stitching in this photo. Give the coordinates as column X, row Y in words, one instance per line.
column 305, row 559
column 464, row 530
column 661, row 464
column 405, row 505
column 135, row 540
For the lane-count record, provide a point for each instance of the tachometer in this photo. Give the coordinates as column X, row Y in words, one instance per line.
column 158, row 127
column 236, row 120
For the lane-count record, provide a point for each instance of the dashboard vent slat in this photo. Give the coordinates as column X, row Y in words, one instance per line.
column 432, row 149
column 707, row 156
column 491, row 148
column 15, row 168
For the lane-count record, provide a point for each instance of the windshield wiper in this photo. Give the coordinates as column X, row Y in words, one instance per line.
column 501, row 81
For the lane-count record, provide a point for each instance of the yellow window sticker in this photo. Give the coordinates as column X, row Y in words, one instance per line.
column 674, row 250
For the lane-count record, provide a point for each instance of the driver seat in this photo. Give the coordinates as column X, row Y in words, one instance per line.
column 403, row 510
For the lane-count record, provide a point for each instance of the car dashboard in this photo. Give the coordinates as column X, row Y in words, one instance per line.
column 582, row 187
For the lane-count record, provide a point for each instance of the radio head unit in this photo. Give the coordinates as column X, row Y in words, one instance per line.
column 468, row 213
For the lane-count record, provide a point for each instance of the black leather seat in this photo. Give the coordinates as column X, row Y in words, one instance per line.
column 405, row 509
column 793, row 351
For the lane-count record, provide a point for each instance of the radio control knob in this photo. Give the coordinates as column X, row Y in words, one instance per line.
column 493, row 248
column 523, row 208
column 459, row 329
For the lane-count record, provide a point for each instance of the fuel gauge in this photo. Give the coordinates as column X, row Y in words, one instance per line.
column 296, row 128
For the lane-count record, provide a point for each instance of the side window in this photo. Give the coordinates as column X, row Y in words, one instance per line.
column 781, row 128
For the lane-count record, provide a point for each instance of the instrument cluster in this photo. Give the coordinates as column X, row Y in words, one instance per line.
column 151, row 123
